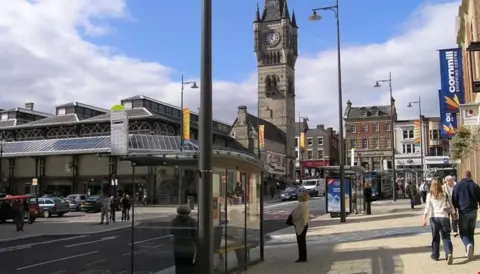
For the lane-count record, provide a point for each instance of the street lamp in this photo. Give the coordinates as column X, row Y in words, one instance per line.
column 392, row 130
column 1, row 158
column 180, row 169
column 205, row 189
column 316, row 17
column 422, row 153
column 300, row 152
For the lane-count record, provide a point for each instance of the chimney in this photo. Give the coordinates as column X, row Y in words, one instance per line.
column 321, row 126
column 242, row 115
column 330, row 130
column 29, row 105
column 349, row 104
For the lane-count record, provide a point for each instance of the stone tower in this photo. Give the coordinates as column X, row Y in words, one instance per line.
column 275, row 34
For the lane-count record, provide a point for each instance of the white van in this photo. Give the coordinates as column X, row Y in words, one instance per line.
column 315, row 187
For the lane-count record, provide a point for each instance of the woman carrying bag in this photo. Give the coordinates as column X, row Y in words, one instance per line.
column 299, row 219
column 439, row 209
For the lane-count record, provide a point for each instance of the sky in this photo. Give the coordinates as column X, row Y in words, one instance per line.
column 100, row 51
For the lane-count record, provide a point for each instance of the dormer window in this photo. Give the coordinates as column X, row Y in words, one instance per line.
column 364, row 113
column 62, row 111
column 4, row 116
column 127, row 104
column 375, row 112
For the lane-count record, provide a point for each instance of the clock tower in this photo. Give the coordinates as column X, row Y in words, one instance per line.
column 275, row 34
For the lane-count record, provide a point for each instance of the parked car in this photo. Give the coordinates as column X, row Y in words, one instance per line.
column 53, row 206
column 7, row 213
column 291, row 193
column 76, row 200
column 92, row 204
column 315, row 187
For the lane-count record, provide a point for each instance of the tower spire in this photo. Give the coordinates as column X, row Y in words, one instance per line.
column 257, row 14
column 294, row 20
column 285, row 12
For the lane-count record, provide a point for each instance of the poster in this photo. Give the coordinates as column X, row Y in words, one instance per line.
column 333, row 195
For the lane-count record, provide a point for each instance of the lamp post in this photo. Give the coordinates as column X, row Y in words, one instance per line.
column 205, row 193
column 392, row 130
column 180, row 169
column 422, row 153
column 300, row 152
column 316, row 17
column 1, row 158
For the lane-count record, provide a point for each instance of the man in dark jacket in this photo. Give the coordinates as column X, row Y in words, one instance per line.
column 367, row 196
column 411, row 192
column 465, row 199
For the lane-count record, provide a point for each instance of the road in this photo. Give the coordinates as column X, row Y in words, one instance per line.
column 111, row 252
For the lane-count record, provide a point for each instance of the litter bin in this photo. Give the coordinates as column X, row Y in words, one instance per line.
column 191, row 202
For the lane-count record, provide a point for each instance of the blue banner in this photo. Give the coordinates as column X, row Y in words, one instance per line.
column 448, row 125
column 334, row 197
column 451, row 76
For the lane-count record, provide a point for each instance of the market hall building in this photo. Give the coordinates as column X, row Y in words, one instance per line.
column 70, row 152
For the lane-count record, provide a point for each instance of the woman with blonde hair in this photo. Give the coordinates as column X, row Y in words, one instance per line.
column 438, row 208
column 300, row 217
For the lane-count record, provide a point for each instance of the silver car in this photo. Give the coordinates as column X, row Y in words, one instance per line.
column 76, row 200
column 53, row 206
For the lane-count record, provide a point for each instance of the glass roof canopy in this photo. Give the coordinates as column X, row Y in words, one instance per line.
column 137, row 145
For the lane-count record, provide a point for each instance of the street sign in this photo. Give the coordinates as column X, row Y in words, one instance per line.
column 34, row 182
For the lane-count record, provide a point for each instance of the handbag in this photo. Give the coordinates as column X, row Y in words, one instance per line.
column 448, row 205
column 289, row 221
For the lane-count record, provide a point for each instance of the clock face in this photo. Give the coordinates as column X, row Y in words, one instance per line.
column 272, row 38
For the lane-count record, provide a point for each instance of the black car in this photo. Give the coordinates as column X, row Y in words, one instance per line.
column 291, row 193
column 92, row 204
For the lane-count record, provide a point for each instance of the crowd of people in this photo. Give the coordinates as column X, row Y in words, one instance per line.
column 451, row 207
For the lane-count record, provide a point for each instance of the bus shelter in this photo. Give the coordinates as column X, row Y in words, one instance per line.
column 356, row 175
column 237, row 210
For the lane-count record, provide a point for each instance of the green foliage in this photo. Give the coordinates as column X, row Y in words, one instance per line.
column 462, row 143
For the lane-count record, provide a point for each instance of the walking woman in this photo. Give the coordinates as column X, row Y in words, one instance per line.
column 448, row 189
column 300, row 218
column 437, row 207
column 367, row 197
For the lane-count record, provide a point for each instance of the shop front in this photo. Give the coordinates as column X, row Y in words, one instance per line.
column 313, row 168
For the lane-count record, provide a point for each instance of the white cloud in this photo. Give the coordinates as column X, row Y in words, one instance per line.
column 44, row 59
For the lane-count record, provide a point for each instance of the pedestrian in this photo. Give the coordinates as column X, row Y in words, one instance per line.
column 410, row 192
column 354, row 200
column 300, row 217
column 438, row 208
column 272, row 191
column 424, row 191
column 113, row 208
column 465, row 198
column 26, row 210
column 367, row 197
column 19, row 214
column 125, row 203
column 105, row 210
column 183, row 228
column 448, row 189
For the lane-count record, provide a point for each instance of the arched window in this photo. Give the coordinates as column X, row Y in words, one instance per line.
column 268, row 82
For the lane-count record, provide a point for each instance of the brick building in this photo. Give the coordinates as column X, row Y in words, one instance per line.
column 368, row 132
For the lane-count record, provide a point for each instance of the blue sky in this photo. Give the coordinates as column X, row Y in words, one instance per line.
column 50, row 57
column 168, row 32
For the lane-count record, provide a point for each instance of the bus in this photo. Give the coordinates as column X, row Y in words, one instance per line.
column 440, row 173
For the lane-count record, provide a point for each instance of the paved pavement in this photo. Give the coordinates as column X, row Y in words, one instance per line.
column 389, row 241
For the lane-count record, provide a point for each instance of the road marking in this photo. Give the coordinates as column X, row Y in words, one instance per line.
column 92, row 242
column 122, row 272
column 60, row 272
column 57, row 260
column 25, row 246
column 126, row 254
column 151, row 239
column 94, row 263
